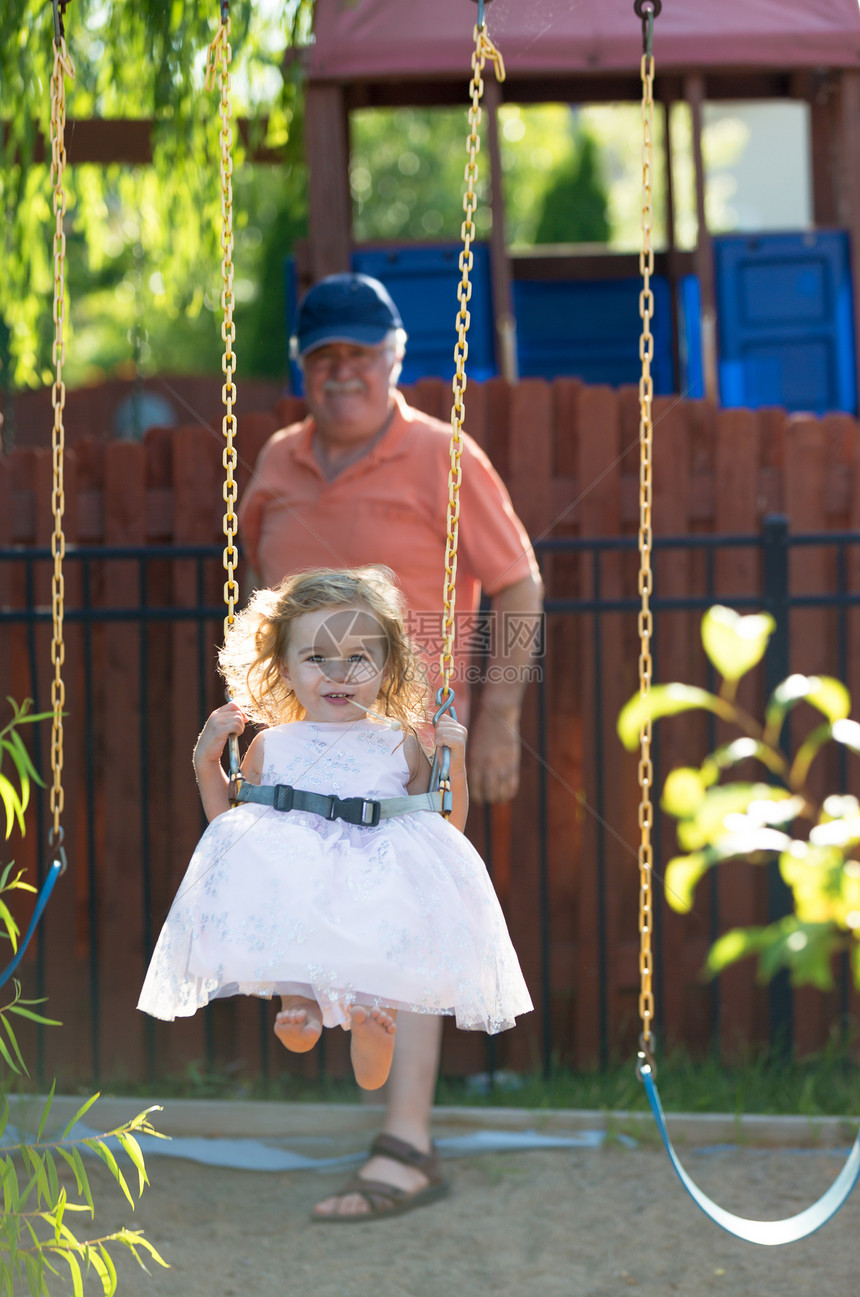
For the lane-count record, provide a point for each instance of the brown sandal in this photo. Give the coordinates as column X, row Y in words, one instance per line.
column 387, row 1199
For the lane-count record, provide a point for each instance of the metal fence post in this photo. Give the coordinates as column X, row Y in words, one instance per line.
column 775, row 539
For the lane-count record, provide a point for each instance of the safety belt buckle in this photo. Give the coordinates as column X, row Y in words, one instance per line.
column 283, row 797
column 361, row 811
column 370, row 814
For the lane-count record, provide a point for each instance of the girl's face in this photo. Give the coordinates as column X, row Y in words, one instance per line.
column 335, row 663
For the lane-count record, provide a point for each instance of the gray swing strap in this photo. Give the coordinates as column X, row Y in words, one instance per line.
column 769, row 1233
column 355, row 810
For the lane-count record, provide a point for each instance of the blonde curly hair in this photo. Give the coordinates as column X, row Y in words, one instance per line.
column 255, row 646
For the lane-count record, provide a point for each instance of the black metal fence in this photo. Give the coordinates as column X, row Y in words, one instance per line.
column 816, row 630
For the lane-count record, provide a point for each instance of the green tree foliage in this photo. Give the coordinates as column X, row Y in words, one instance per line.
column 150, row 233
column 36, row 1238
column 143, row 253
column 408, row 171
column 774, row 815
column 575, row 205
column 407, row 175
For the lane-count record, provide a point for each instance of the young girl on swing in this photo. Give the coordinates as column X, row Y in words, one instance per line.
column 323, row 889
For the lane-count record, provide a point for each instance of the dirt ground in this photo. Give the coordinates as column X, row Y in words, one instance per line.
column 581, row 1222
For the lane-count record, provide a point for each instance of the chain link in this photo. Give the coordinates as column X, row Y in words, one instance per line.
column 484, row 49
column 62, row 68
column 218, row 63
column 646, row 582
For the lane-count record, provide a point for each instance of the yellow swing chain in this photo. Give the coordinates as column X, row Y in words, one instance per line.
column 484, row 49
column 218, row 63
column 62, row 68
column 646, row 431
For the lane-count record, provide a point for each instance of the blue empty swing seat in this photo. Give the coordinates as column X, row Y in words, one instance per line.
column 57, row 867
column 768, row 1233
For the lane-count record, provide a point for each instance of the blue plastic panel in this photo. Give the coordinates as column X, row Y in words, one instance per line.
column 591, row 330
column 585, row 328
column 297, row 386
column 785, row 321
column 423, row 282
column 692, row 382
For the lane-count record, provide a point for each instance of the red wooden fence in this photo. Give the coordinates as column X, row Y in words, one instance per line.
column 569, row 454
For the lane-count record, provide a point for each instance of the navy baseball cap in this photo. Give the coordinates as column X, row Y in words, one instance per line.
column 344, row 308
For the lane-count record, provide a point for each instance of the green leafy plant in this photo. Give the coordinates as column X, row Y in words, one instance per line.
column 775, row 815
column 35, row 1237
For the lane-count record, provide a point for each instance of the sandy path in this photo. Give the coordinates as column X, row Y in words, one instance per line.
column 562, row 1223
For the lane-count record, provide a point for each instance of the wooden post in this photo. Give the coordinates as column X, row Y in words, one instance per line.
column 736, row 455
column 329, row 202
column 121, row 955
column 671, row 246
column 822, row 94
column 694, row 93
column 500, row 264
column 848, row 189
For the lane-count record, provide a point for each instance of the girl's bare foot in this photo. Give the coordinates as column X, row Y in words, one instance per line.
column 372, row 1044
column 299, row 1024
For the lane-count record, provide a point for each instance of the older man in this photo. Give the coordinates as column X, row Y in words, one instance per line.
column 364, row 479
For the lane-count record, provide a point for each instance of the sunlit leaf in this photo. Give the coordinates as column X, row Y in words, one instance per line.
column 85, row 1107
column 735, row 643
column 9, row 924
column 732, row 946
column 665, row 700
column 682, row 875
column 12, row 806
column 827, row 695
column 13, row 1041
column 53, row 1183
column 72, row 1158
column 844, row 732
column 132, row 1148
column 77, row 1283
column 111, row 1163
column 750, row 843
column 142, row 1123
column 33, row 1017
column 682, row 792
column 838, row 806
column 46, row 1110
column 848, row 734
column 133, row 1239
column 805, row 949
column 836, row 832
column 7, row 1058
column 709, row 822
column 743, row 749
column 110, row 1270
column 814, row 874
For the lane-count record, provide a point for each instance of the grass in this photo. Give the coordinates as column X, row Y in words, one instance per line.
column 817, row 1086
column 827, row 1083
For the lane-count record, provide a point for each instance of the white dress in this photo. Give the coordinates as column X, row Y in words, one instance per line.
column 277, row 903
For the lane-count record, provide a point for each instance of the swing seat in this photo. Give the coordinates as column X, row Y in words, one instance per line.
column 768, row 1233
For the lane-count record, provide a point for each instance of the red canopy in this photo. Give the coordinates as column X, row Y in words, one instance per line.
column 381, row 39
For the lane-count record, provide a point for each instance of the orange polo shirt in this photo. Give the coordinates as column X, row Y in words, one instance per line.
column 389, row 507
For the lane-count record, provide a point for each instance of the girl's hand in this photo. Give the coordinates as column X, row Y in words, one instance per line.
column 226, row 720
column 451, row 734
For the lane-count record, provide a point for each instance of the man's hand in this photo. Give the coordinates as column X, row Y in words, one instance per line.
column 494, row 747
column 494, row 755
